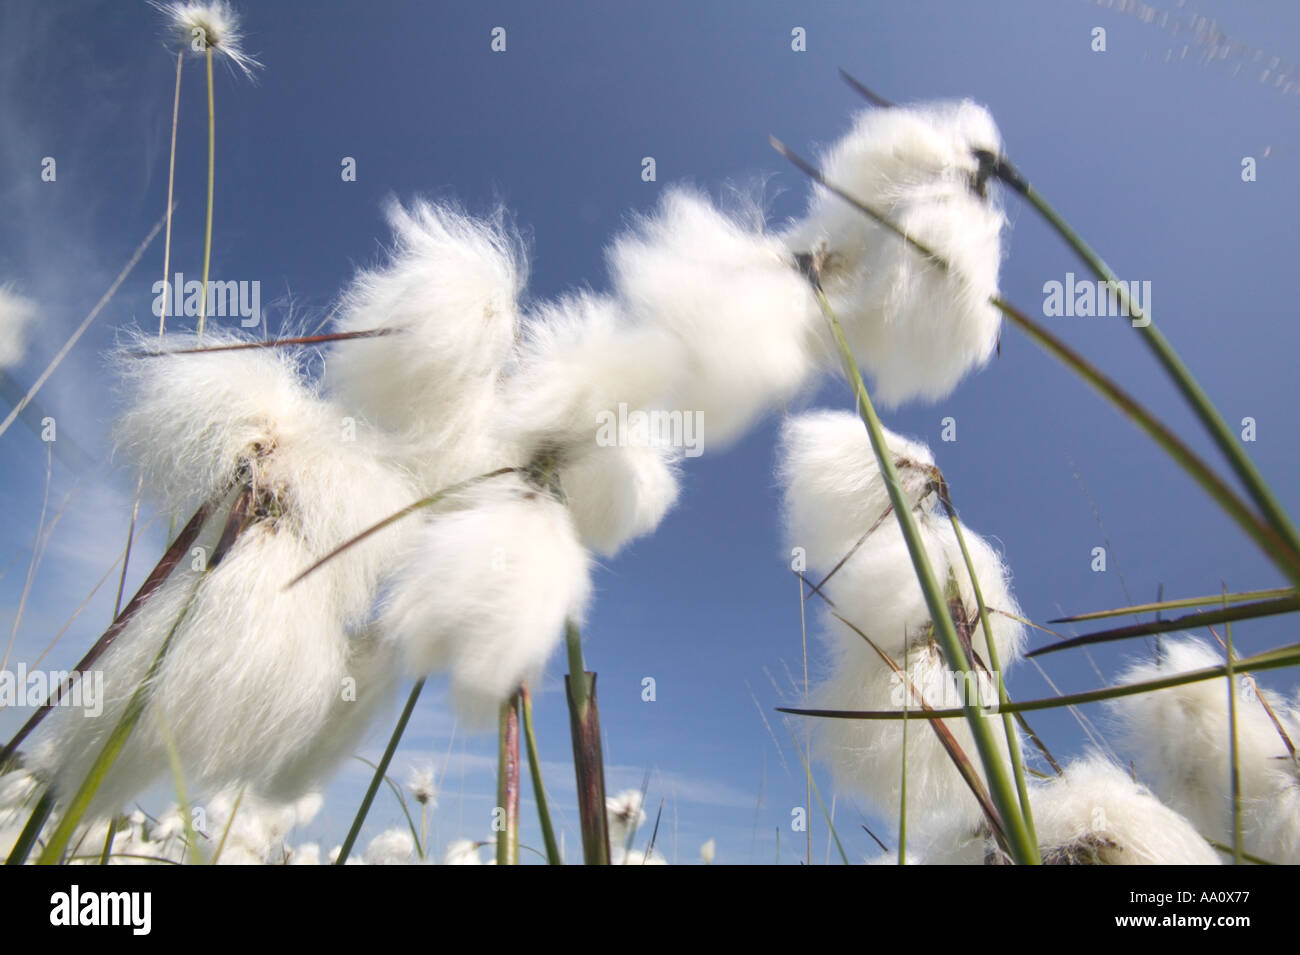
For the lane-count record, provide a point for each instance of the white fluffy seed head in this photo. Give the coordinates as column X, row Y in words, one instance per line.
column 743, row 315
column 916, row 328
column 485, row 589
column 866, row 756
column 191, row 424
column 580, row 359
column 1095, row 814
column 617, row 494
column 251, row 687
column 1182, row 738
column 16, row 316
column 835, row 494
column 450, row 291
column 211, row 24
column 584, row 378
column 461, row 852
column 834, row 491
column 391, row 847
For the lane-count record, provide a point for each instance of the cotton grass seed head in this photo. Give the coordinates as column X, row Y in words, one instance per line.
column 450, row 292
column 745, row 320
column 1182, row 739
column 916, row 328
column 212, row 25
column 1095, row 814
column 484, row 591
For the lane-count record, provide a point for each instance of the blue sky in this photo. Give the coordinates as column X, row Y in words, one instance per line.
column 1140, row 146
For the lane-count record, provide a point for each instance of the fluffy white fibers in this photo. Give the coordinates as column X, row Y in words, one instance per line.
column 834, row 491
column 462, row 852
column 391, row 847
column 214, row 25
column 1095, row 814
column 254, row 672
column 866, row 756
column 192, row 423
column 485, row 589
column 744, row 316
column 586, row 389
column 1182, row 740
column 617, row 494
column 451, row 289
column 624, row 815
column 16, row 314
column 916, row 328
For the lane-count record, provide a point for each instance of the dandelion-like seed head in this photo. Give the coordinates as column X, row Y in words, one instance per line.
column 422, row 786
column 212, row 25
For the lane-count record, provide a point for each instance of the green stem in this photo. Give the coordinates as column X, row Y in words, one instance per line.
column 577, row 667
column 1181, row 375
column 32, row 831
column 1276, row 659
column 380, row 770
column 212, row 165
column 535, row 770
column 1235, row 779
column 902, row 796
column 1021, row 844
column 1285, row 554
column 1008, row 721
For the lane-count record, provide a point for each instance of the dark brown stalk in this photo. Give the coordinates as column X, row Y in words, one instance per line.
column 588, row 765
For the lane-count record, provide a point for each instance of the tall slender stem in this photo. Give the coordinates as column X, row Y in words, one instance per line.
column 1023, row 848
column 553, row 856
column 212, row 165
column 380, row 770
column 508, row 782
column 1181, row 375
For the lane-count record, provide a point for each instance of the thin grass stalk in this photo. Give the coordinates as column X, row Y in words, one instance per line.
column 1181, row 603
column 212, row 165
column 267, row 343
column 81, row 329
column 182, row 796
column 225, row 831
column 1168, row 358
column 1008, row 721
column 1022, row 847
column 508, row 782
column 1235, row 778
column 401, row 804
column 364, row 809
column 108, row 841
column 1191, row 621
column 817, row 792
column 553, row 856
column 803, row 637
column 902, row 797
column 171, row 189
column 394, row 518
column 1284, row 555
column 32, row 830
column 1275, row 659
column 960, row 760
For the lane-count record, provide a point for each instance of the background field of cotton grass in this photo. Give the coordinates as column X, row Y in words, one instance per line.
column 707, row 605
